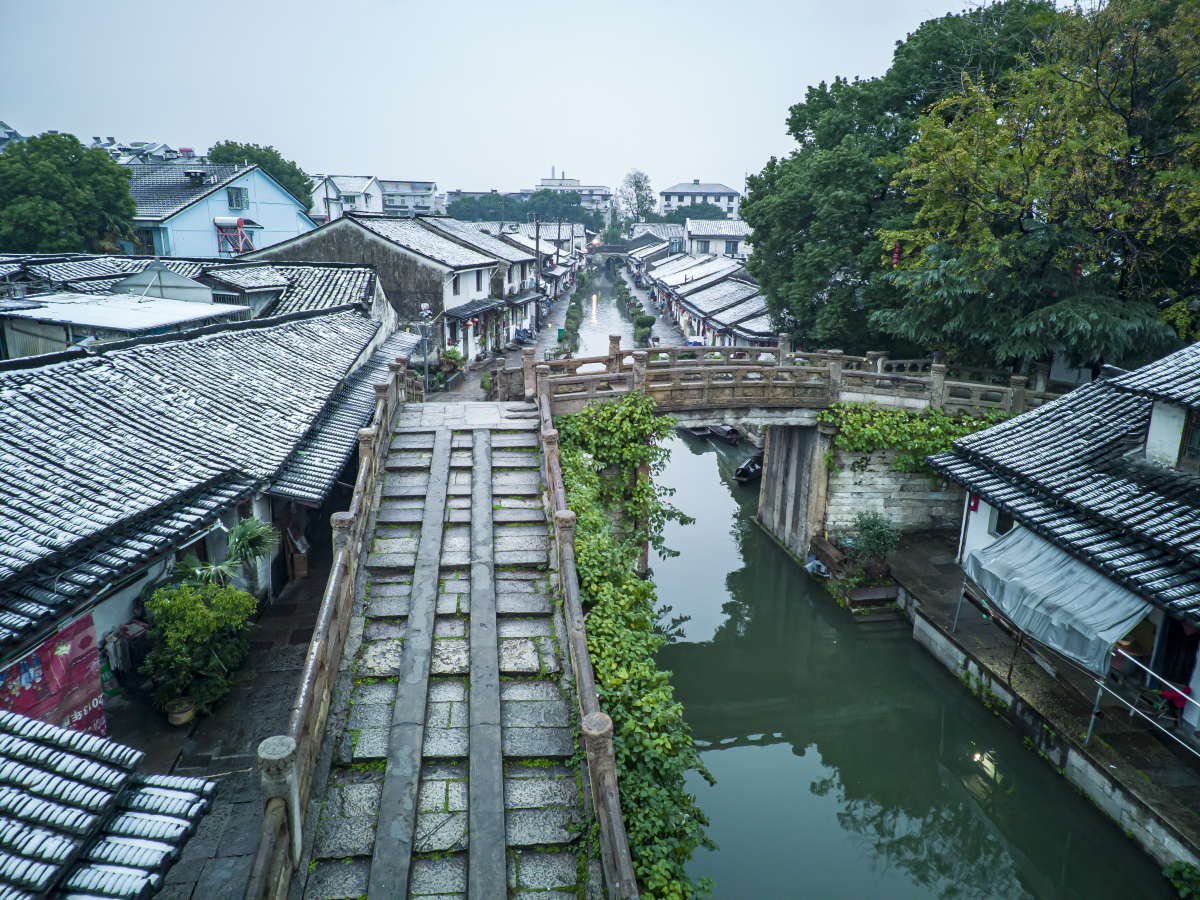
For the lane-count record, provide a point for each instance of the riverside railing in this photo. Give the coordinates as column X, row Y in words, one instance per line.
column 595, row 725
column 288, row 761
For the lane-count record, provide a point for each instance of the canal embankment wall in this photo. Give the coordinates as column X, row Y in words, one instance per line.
column 1100, row 781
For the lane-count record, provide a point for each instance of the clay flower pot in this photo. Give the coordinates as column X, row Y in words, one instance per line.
column 181, row 710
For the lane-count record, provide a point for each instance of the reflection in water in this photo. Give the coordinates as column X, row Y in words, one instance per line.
column 603, row 315
column 849, row 763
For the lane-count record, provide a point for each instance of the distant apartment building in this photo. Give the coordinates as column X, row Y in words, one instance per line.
column 682, row 194
column 410, row 198
column 334, row 195
column 591, row 196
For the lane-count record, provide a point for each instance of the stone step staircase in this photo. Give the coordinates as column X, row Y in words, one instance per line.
column 452, row 776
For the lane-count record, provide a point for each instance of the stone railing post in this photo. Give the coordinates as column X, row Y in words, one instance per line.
column 639, row 370
column 395, row 383
column 527, row 366
column 937, row 391
column 785, row 347
column 876, row 359
column 1019, row 383
column 342, row 524
column 381, row 395
column 366, row 448
column 543, row 385
column 500, row 379
column 1041, row 377
column 834, row 367
column 614, row 353
column 277, row 765
column 564, row 524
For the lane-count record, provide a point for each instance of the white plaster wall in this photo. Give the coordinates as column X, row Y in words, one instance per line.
column 118, row 609
column 260, row 508
column 1165, row 433
column 977, row 528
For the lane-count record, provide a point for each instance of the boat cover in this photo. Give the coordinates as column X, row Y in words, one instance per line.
column 1055, row 598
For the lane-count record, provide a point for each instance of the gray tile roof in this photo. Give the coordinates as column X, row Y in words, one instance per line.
column 65, row 271
column 321, row 286
column 648, row 250
column 474, row 308
column 408, row 234
column 324, row 452
column 720, row 296
column 550, row 230
column 250, row 278
column 1072, row 471
column 479, row 240
column 162, row 189
column 728, row 228
column 694, row 279
column 9, row 268
column 758, row 328
column 668, row 260
column 124, row 312
column 704, row 187
column 92, row 446
column 663, row 230
column 1175, row 378
column 665, row 271
column 752, row 307
column 76, row 820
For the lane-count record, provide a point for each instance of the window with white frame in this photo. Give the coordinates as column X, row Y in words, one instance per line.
column 454, row 285
column 239, row 197
column 479, row 279
column 731, row 247
column 701, row 246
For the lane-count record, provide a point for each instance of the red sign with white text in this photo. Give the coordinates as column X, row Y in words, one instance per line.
column 59, row 682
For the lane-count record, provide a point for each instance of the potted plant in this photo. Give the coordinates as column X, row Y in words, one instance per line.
column 865, row 578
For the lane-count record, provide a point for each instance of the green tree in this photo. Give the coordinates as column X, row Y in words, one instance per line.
column 289, row 175
column 817, row 213
column 493, row 207
column 703, row 210
column 1059, row 214
column 635, row 194
column 56, row 195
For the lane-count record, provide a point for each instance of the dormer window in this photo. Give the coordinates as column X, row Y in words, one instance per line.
column 1189, row 453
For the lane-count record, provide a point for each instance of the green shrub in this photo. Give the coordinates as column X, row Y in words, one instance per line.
column 652, row 742
column 199, row 635
column 644, row 321
column 869, row 542
column 1184, row 878
column 486, row 382
column 641, row 334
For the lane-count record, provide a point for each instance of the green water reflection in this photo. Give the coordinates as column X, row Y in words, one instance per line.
column 849, row 763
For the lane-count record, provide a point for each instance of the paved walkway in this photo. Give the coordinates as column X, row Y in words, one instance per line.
column 450, row 774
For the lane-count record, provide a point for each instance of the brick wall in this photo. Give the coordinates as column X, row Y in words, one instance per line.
column 909, row 500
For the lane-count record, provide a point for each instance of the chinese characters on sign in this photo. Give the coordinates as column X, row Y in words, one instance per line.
column 59, row 682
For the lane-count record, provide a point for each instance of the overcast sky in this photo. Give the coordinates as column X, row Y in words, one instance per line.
column 473, row 95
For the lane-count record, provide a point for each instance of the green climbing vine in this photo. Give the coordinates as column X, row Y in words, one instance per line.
column 603, row 449
column 865, row 427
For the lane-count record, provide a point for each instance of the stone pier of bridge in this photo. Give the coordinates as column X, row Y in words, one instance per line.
column 452, row 735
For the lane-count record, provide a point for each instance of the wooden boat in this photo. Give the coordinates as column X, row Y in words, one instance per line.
column 749, row 471
column 700, row 432
column 725, row 433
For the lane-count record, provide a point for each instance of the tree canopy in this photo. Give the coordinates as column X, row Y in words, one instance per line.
column 1060, row 213
column 635, row 195
column 677, row 216
column 817, row 214
column 56, row 195
column 289, row 175
column 548, row 205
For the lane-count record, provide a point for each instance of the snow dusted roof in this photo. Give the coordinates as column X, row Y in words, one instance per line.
column 476, row 237
column 411, row 236
column 120, row 312
column 729, row 228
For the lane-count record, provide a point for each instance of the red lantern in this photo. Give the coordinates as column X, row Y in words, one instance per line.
column 896, row 254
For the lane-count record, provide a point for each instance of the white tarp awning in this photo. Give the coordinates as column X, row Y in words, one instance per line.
column 1055, row 598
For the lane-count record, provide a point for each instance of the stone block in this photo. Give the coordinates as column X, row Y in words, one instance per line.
column 369, row 715
column 540, row 792
column 444, row 875
column 446, row 742
column 361, row 800
column 446, row 626
column 535, row 713
column 380, row 659
column 519, row 655
column 548, row 650
column 537, row 742
column 546, row 871
column 378, row 607
column 338, row 880
column 441, row 831
column 447, row 690
column 377, row 692
column 517, row 604
column 450, row 657
column 225, row 877
column 511, row 628
column 340, row 837
column 527, row 689
column 380, row 628
column 539, row 827
column 432, row 797
column 372, row 744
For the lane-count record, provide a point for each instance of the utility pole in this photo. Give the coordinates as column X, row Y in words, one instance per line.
column 537, row 249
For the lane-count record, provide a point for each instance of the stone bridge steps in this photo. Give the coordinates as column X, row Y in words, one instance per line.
column 452, row 776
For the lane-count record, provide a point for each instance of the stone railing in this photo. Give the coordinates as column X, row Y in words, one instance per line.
column 595, row 725
column 288, row 761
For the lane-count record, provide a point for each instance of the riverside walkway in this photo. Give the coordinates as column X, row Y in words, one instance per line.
column 450, row 772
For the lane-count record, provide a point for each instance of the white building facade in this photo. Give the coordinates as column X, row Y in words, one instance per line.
column 683, row 195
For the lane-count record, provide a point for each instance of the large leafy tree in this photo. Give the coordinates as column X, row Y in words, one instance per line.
column 56, row 195
column 635, row 194
column 488, row 208
column 289, row 175
column 546, row 204
column 1059, row 215
column 818, row 212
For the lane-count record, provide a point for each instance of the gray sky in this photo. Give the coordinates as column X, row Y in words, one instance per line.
column 474, row 95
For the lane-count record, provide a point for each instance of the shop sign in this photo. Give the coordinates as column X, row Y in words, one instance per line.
column 59, row 682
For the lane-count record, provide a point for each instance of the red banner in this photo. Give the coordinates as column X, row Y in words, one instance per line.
column 59, row 682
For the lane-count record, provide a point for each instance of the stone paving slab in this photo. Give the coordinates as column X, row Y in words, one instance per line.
column 505, row 516
column 512, row 604
column 529, row 743
column 507, row 440
column 540, row 827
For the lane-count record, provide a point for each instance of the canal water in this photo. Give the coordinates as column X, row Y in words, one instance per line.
column 849, row 763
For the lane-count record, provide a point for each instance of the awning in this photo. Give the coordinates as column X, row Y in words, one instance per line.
column 1055, row 598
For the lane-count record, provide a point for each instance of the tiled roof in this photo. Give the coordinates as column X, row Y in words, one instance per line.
column 648, row 250
column 664, row 270
column 250, row 278
column 65, row 271
column 720, row 296
column 550, row 229
column 481, row 241
column 9, row 268
column 351, row 184
column 91, row 446
column 1175, row 377
column 749, row 308
column 544, row 247
column 663, row 230
column 668, row 260
column 76, row 820
column 162, row 189
column 757, row 328
column 703, row 275
column 474, row 308
column 1072, row 470
column 408, row 234
column 324, row 452
column 705, row 187
column 317, row 286
column 729, row 228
